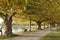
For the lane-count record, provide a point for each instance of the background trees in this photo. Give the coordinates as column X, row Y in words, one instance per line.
column 41, row 11
column 38, row 10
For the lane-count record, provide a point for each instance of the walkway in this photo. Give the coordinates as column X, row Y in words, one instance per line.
column 31, row 36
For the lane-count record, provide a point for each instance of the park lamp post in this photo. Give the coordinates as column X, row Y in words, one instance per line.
column 25, row 9
column 30, row 22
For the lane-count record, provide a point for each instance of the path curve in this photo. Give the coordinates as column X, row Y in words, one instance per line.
column 31, row 36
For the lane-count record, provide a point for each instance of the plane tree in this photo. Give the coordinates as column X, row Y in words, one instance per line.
column 8, row 9
column 42, row 10
column 39, row 10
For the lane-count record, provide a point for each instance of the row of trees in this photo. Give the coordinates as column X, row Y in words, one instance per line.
column 38, row 10
column 41, row 11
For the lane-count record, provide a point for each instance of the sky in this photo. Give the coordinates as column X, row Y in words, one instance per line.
column 1, row 20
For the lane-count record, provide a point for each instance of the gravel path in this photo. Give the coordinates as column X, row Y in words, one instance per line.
column 31, row 36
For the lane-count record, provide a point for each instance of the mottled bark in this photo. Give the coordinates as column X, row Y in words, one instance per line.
column 39, row 26
column 8, row 25
column 38, row 23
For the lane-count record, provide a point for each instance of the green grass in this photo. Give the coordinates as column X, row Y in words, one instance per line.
column 5, row 37
column 57, row 30
column 52, row 36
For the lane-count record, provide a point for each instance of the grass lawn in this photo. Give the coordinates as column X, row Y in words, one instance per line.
column 4, row 36
column 57, row 30
column 52, row 36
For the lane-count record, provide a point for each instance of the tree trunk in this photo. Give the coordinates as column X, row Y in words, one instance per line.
column 39, row 25
column 8, row 23
column 8, row 26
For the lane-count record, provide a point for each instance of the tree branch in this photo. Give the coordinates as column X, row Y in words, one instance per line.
column 1, row 14
column 13, row 14
column 34, row 20
column 44, row 20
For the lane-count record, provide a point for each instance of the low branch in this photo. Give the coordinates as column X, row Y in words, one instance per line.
column 1, row 14
column 37, row 21
column 13, row 14
column 34, row 20
column 44, row 20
